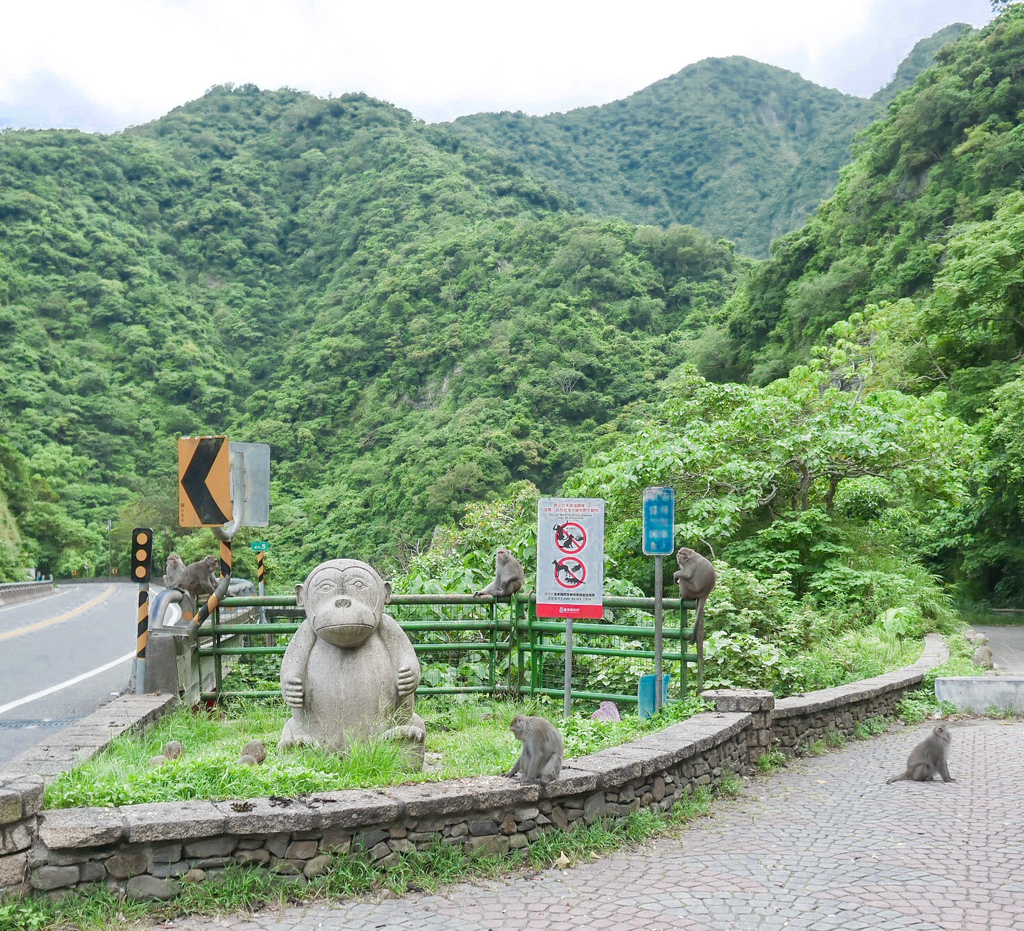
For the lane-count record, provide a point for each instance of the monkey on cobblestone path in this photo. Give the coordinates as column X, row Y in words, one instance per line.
column 928, row 758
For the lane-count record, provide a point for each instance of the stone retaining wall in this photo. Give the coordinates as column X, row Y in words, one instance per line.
column 147, row 851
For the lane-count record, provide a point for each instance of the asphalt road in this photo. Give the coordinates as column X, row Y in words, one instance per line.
column 62, row 657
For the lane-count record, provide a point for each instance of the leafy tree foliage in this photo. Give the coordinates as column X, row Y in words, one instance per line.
column 918, row 256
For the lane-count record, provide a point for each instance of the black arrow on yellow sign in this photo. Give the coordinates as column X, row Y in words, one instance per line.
column 204, row 480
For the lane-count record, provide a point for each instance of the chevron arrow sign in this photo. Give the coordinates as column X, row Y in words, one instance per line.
column 204, row 481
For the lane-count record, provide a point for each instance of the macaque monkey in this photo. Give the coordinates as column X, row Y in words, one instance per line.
column 508, row 576
column 200, row 577
column 696, row 578
column 983, row 657
column 928, row 758
column 172, row 750
column 253, row 753
column 173, row 570
column 543, row 749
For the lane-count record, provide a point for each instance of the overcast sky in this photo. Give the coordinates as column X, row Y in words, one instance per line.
column 100, row 65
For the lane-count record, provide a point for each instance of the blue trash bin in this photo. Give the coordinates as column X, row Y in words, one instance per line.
column 645, row 695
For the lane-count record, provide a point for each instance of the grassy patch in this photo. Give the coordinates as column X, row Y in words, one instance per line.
column 463, row 739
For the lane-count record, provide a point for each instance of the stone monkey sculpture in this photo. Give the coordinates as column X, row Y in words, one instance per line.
column 509, row 576
column 350, row 672
column 696, row 578
column 543, row 749
column 928, row 758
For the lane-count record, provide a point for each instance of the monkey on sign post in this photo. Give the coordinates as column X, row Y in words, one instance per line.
column 199, row 577
column 928, row 758
column 509, row 576
column 696, row 578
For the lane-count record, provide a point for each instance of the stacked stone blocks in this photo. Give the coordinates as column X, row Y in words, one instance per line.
column 149, row 851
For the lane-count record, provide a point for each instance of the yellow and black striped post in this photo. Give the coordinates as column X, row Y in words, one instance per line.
column 261, row 570
column 142, row 571
column 225, row 570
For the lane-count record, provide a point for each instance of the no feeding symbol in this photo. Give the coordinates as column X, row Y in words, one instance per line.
column 570, row 537
column 570, row 572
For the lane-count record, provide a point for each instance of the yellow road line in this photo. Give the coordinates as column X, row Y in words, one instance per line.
column 39, row 625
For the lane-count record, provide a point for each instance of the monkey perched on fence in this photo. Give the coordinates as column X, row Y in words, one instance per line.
column 696, row 578
column 199, row 578
column 928, row 758
column 543, row 748
column 509, row 576
column 173, row 570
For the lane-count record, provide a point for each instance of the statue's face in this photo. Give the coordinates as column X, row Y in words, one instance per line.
column 344, row 600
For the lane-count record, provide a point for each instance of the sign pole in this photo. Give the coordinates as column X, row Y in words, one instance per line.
column 659, row 541
column 142, row 571
column 567, row 700
column 659, row 629
column 260, row 547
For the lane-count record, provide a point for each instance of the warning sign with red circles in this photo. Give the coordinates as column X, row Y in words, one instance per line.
column 570, row 557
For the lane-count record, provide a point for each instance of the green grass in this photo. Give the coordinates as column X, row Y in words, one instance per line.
column 464, row 738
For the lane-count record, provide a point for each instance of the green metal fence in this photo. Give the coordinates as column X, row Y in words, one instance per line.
column 469, row 645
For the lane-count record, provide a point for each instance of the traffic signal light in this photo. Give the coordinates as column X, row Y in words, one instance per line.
column 142, row 554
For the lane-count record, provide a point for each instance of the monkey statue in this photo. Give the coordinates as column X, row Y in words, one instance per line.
column 199, row 578
column 928, row 758
column 509, row 576
column 173, row 570
column 543, row 749
column 696, row 578
column 350, row 672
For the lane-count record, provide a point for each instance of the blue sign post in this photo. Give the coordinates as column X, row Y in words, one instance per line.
column 659, row 542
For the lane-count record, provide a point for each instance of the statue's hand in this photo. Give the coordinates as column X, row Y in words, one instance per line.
column 294, row 691
column 407, row 681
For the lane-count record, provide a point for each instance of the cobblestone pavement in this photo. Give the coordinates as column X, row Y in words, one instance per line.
column 823, row 844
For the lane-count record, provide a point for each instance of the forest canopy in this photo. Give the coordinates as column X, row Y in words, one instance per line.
column 430, row 326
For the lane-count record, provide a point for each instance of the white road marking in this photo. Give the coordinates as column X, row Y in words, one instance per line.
column 67, row 684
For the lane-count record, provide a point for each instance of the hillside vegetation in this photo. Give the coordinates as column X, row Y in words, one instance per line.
column 409, row 323
column 910, row 276
column 743, row 150
column 429, row 334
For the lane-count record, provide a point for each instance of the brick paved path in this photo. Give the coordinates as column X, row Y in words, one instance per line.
column 824, row 844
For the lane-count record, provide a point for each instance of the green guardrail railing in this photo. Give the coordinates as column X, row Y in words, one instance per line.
column 470, row 645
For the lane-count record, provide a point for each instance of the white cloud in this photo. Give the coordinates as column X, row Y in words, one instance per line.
column 137, row 59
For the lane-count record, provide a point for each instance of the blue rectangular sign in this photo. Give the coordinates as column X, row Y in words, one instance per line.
column 659, row 521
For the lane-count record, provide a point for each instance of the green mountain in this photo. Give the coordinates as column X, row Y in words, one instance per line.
column 417, row 324
column 743, row 150
column 411, row 324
